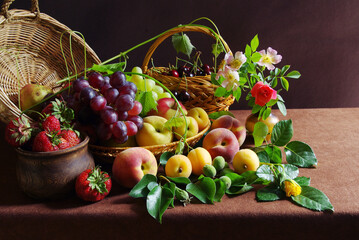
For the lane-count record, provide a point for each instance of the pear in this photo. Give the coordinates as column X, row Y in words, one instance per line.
column 32, row 94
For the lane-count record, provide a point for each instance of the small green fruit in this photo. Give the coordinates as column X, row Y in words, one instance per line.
column 227, row 181
column 209, row 171
column 182, row 196
column 226, row 165
column 219, row 163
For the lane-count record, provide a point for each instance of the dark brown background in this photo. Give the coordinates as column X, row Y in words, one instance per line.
column 317, row 37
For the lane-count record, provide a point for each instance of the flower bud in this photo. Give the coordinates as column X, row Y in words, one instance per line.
column 182, row 196
column 291, row 188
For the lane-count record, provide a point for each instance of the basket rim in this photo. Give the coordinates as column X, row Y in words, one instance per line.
column 152, row 147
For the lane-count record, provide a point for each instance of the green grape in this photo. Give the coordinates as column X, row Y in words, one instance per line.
column 164, row 95
column 149, row 85
column 155, row 95
column 136, row 70
column 158, row 89
column 137, row 80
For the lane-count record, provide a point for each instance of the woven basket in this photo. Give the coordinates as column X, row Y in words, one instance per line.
column 30, row 52
column 108, row 154
column 200, row 88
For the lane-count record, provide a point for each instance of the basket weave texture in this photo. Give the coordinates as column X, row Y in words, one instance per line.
column 200, row 88
column 30, row 52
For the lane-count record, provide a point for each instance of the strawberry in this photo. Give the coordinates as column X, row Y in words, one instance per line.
column 60, row 110
column 18, row 132
column 51, row 124
column 43, row 143
column 71, row 137
column 48, row 142
column 63, row 143
column 93, row 185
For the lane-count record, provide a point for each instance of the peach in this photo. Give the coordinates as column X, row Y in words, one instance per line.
column 192, row 128
column 132, row 164
column 178, row 166
column 199, row 157
column 221, row 142
column 201, row 116
column 233, row 125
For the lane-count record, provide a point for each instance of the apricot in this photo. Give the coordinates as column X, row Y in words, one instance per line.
column 199, row 157
column 245, row 160
column 178, row 166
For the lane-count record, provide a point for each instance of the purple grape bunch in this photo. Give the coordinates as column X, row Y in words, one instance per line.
column 108, row 105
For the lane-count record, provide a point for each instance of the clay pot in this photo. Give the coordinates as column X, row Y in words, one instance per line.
column 52, row 175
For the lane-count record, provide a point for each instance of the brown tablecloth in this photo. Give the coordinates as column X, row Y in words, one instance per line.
column 333, row 135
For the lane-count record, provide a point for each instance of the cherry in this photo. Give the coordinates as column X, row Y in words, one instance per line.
column 174, row 73
column 184, row 96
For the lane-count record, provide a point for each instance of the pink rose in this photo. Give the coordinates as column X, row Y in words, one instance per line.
column 263, row 93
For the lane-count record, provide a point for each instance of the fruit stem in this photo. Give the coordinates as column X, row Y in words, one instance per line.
column 164, row 178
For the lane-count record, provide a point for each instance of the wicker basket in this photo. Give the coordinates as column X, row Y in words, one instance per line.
column 108, row 154
column 30, row 52
column 200, row 88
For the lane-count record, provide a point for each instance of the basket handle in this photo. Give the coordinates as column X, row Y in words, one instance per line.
column 178, row 30
column 6, row 4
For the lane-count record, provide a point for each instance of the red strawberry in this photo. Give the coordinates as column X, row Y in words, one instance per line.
column 93, row 185
column 18, row 132
column 47, row 110
column 51, row 124
column 71, row 136
column 43, row 143
column 63, row 143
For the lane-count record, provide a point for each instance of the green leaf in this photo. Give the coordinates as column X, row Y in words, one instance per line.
column 290, row 170
column 254, row 43
column 214, row 80
column 108, row 68
column 270, row 193
column 256, row 108
column 182, row 43
column 274, row 153
column 285, row 83
column 265, row 173
column 236, row 179
column 216, row 115
column 220, row 92
column 282, row 108
column 171, row 186
column 313, row 199
column 180, row 147
column 266, row 113
column 282, row 133
column 152, row 185
column 300, row 154
column 272, row 102
column 180, row 180
column 217, row 48
column 302, row 181
column 220, row 190
column 164, row 157
column 274, row 82
column 174, row 122
column 250, row 177
column 284, row 69
column 256, row 57
column 158, row 201
column 294, row 74
column 148, row 102
column 204, row 189
column 140, row 189
column 263, row 157
column 237, row 93
column 237, row 190
column 276, row 71
column 259, row 133
column 248, row 51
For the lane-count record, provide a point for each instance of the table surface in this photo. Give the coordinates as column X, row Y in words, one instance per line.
column 332, row 134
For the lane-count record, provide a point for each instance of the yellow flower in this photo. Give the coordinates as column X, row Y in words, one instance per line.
column 292, row 188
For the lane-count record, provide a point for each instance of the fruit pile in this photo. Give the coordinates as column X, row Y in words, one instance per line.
column 52, row 132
